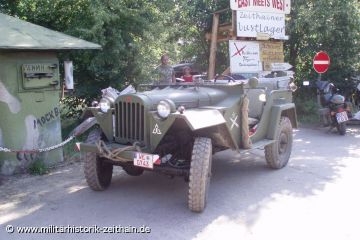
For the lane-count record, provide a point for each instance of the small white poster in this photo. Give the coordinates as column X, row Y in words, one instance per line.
column 69, row 75
column 249, row 24
column 244, row 57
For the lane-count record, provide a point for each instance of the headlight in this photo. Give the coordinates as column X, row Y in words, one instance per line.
column 105, row 105
column 262, row 97
column 163, row 109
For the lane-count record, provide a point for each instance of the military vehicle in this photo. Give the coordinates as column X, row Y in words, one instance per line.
column 175, row 130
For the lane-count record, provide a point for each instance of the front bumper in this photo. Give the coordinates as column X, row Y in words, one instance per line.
column 127, row 155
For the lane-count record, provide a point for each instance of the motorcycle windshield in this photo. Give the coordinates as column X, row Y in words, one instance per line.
column 338, row 99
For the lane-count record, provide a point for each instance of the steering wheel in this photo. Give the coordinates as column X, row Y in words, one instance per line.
column 231, row 79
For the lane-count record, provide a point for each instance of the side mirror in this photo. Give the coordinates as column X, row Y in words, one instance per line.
column 293, row 87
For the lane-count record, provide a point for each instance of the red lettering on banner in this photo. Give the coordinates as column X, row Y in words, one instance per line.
column 243, row 3
column 278, row 4
column 261, row 3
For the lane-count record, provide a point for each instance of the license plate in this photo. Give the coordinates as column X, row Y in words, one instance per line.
column 145, row 160
column 342, row 117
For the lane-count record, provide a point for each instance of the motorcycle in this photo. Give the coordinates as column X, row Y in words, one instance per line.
column 335, row 111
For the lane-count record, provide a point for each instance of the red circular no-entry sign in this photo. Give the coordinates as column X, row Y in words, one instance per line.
column 321, row 62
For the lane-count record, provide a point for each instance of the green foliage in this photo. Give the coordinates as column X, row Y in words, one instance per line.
column 193, row 20
column 328, row 25
column 306, row 106
column 71, row 107
column 134, row 34
column 38, row 167
column 307, row 109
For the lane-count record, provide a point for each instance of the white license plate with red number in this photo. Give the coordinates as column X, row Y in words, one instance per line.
column 342, row 117
column 145, row 160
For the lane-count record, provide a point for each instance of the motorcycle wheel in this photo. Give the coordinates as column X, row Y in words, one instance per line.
column 341, row 127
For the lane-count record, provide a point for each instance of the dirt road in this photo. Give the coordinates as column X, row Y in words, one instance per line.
column 315, row 197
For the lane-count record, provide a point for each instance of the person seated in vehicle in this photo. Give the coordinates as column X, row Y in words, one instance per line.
column 187, row 74
column 166, row 74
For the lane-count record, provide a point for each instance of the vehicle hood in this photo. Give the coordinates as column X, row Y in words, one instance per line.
column 187, row 96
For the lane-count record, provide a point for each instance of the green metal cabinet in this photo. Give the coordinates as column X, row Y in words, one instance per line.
column 30, row 91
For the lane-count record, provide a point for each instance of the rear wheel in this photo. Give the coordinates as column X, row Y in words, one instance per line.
column 200, row 173
column 98, row 173
column 278, row 153
column 341, row 127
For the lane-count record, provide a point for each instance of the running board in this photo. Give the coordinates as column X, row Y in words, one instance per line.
column 259, row 144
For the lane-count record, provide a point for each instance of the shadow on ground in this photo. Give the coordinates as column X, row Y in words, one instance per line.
column 241, row 186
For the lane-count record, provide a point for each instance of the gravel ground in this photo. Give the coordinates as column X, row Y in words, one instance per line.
column 315, row 197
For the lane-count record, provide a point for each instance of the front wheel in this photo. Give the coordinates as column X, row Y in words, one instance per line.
column 98, row 173
column 341, row 127
column 200, row 173
column 278, row 153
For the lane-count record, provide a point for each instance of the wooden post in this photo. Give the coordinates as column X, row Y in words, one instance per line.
column 233, row 23
column 213, row 46
column 62, row 90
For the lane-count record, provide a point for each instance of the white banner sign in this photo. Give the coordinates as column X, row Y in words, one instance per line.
column 250, row 24
column 269, row 6
column 244, row 57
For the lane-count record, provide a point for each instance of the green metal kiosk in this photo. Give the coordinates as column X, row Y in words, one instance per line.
column 30, row 91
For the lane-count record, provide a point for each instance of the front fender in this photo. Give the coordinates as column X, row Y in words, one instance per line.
column 84, row 126
column 196, row 119
column 202, row 118
column 104, row 120
column 277, row 112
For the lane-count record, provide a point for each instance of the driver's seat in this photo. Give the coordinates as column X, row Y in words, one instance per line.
column 256, row 107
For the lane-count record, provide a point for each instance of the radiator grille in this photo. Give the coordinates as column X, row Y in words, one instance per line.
column 129, row 121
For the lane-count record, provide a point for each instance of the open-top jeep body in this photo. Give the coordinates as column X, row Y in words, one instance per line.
column 175, row 129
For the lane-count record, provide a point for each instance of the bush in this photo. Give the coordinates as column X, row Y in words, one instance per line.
column 72, row 107
column 38, row 168
column 307, row 109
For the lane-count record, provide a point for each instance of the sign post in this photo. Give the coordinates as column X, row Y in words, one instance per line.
column 321, row 63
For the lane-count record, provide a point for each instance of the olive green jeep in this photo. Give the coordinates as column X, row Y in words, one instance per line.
column 175, row 130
